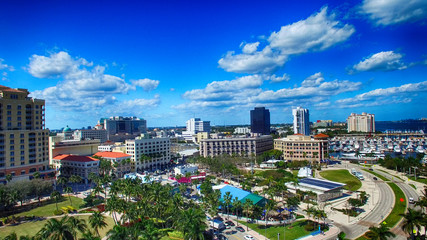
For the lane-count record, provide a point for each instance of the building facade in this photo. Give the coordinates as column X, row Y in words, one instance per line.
column 299, row 147
column 86, row 134
column 253, row 146
column 121, row 128
column 69, row 165
column 260, row 121
column 120, row 161
column 301, row 121
column 149, row 153
column 194, row 126
column 323, row 123
column 23, row 137
column 364, row 122
column 57, row 146
column 242, row 130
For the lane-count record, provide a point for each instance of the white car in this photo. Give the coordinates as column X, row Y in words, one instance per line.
column 249, row 237
column 411, row 200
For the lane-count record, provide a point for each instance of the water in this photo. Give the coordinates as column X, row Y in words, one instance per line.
column 404, row 125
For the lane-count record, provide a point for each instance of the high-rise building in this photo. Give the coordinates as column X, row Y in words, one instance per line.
column 121, row 128
column 364, row 122
column 301, row 121
column 194, row 126
column 260, row 121
column 23, row 137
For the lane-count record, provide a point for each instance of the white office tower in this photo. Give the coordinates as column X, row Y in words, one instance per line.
column 195, row 125
column 364, row 122
column 301, row 121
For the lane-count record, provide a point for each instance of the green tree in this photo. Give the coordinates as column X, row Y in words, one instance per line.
column 56, row 196
column 227, row 201
column 75, row 179
column 97, row 221
column 192, row 223
column 77, row 225
column 381, row 232
column 56, row 229
column 69, row 190
column 8, row 178
column 412, row 221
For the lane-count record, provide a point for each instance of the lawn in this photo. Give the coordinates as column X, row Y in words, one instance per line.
column 47, row 210
column 342, row 176
column 31, row 228
column 175, row 235
column 392, row 175
column 399, row 207
column 293, row 231
column 421, row 180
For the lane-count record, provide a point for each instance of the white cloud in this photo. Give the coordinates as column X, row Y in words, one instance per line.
column 316, row 33
column 250, row 47
column 4, row 66
column 264, row 61
column 276, row 79
column 146, row 84
column 314, row 80
column 384, row 96
column 396, row 11
column 382, row 61
column 82, row 86
column 246, row 92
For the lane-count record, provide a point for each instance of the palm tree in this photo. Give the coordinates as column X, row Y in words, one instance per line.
column 11, row 236
column 412, row 220
column 227, row 201
column 75, row 179
column 118, row 233
column 62, row 180
column 55, row 195
column 9, row 178
column 58, row 230
column 88, row 235
column 69, row 190
column 380, row 233
column 96, row 221
column 192, row 223
column 77, row 225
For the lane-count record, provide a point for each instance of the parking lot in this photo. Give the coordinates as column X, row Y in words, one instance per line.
column 232, row 232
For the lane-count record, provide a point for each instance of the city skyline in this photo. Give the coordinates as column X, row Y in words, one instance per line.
column 167, row 62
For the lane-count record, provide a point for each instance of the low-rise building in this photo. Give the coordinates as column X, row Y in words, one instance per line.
column 149, row 153
column 238, row 146
column 121, row 162
column 299, row 147
column 86, row 134
column 182, row 170
column 324, row 189
column 68, row 165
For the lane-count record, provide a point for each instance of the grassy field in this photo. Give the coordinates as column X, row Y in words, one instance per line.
column 392, row 175
column 31, row 228
column 399, row 207
column 47, row 210
column 293, row 231
column 342, row 176
column 175, row 235
column 421, row 180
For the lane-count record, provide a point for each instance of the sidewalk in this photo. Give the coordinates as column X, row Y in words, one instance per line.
column 332, row 234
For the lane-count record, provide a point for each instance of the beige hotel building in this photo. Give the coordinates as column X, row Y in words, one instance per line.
column 299, row 147
column 23, row 137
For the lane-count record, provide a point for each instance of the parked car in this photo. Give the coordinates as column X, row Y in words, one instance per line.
column 229, row 223
column 240, row 229
column 375, row 178
column 249, row 237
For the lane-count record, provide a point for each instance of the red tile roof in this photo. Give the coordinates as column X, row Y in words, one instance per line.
column 111, row 154
column 321, row 135
column 74, row 158
column 8, row 89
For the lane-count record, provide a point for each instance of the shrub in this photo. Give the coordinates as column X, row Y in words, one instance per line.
column 309, row 226
column 57, row 212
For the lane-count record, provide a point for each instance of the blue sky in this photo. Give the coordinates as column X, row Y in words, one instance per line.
column 168, row 61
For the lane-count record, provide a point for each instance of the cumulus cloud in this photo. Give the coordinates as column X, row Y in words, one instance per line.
column 382, row 61
column 384, row 96
column 316, row 33
column 246, row 92
column 4, row 66
column 82, row 86
column 314, row 80
column 146, row 84
column 393, row 12
column 276, row 79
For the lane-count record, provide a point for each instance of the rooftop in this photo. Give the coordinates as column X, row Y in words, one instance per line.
column 111, row 154
column 74, row 158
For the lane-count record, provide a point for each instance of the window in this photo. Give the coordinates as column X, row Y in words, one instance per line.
column 12, row 159
column 9, row 106
column 19, row 107
column 12, row 153
column 12, row 147
column 22, row 135
column 9, row 112
column 12, row 164
column 12, row 135
column 22, row 172
column 19, row 118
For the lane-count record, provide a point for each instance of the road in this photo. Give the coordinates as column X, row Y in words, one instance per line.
column 378, row 213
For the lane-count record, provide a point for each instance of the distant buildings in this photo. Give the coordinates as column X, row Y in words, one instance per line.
column 68, row 165
column 299, row 147
column 242, row 130
column 364, row 122
column 120, row 161
column 238, row 146
column 301, row 121
column 148, row 153
column 260, row 121
column 85, row 134
column 23, row 137
column 323, row 123
column 61, row 145
column 194, row 126
column 122, row 128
